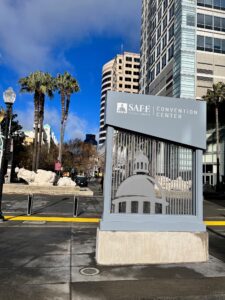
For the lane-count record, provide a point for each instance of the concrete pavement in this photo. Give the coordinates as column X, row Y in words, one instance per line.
column 47, row 260
column 44, row 261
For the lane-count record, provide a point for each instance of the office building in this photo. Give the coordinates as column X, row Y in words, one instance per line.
column 48, row 136
column 182, row 49
column 120, row 74
column 90, row 139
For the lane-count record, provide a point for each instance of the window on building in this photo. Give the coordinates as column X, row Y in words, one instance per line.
column 223, row 4
column 158, row 208
column 121, row 78
column 217, row 23
column 136, row 66
column 171, row 32
column 120, row 85
column 164, row 41
column 165, row 22
column 165, row 4
column 134, row 207
column 136, row 73
column 120, row 61
column 209, row 168
column 152, row 74
column 163, row 61
column 127, row 79
column 216, row 4
column 153, row 41
column 127, row 86
column 128, row 58
column 200, row 21
column 146, row 208
column 159, row 14
column 208, row 22
column 208, row 3
column 171, row 12
column 152, row 58
column 153, row 25
column 223, row 46
column 223, row 24
column 200, row 2
column 217, row 45
column 107, row 73
column 128, row 66
column 200, row 42
column 159, row 32
column 136, row 87
column 128, row 72
column 122, row 207
column 136, row 59
column 135, row 80
column 208, row 44
column 158, row 68
column 170, row 52
column 158, row 50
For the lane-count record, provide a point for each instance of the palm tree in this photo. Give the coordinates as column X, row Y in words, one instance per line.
column 48, row 87
column 216, row 96
column 66, row 85
column 40, row 84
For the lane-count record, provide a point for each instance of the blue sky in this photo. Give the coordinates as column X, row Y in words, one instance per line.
column 58, row 35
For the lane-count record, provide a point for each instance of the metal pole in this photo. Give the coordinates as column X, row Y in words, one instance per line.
column 4, row 155
column 75, row 206
column 29, row 204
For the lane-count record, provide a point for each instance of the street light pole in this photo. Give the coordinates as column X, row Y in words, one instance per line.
column 9, row 97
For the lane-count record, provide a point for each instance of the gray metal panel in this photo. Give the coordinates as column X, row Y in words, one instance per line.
column 176, row 120
column 152, row 223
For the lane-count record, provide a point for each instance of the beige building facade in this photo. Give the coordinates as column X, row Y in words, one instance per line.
column 120, row 74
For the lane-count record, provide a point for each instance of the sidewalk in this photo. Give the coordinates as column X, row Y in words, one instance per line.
column 47, row 260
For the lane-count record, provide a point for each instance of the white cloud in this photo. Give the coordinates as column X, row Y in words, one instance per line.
column 30, row 30
column 26, row 117
column 76, row 127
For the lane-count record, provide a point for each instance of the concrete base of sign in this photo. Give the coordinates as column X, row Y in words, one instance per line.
column 125, row 248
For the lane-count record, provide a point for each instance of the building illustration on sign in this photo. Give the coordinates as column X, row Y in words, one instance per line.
column 140, row 193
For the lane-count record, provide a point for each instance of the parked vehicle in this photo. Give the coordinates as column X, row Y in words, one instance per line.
column 82, row 181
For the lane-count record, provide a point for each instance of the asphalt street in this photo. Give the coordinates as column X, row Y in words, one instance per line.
column 43, row 260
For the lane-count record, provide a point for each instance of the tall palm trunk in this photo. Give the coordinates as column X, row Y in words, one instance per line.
column 36, row 118
column 66, row 112
column 41, row 120
column 217, row 150
column 62, row 125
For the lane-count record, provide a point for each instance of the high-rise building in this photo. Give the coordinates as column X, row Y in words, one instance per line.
column 90, row 139
column 183, row 52
column 182, row 47
column 120, row 74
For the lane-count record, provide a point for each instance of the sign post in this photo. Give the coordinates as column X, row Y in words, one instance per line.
column 153, row 185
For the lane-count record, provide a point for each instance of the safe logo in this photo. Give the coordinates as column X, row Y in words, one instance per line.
column 121, row 108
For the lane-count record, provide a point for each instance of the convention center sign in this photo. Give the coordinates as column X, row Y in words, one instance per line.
column 153, row 163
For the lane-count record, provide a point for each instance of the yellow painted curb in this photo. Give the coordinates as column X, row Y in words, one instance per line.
column 82, row 220
column 52, row 219
column 214, row 223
